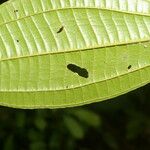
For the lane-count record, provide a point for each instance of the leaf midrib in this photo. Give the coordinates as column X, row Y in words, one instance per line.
column 76, row 50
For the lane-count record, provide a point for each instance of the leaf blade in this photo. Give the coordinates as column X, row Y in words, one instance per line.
column 34, row 56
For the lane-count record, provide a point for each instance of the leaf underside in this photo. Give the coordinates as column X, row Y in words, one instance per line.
column 105, row 43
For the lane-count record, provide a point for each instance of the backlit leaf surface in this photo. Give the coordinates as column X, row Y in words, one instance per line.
column 62, row 53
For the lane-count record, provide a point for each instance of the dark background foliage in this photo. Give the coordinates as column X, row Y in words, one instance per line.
column 122, row 123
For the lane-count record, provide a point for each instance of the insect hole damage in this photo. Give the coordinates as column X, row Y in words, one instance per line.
column 15, row 11
column 61, row 29
column 80, row 71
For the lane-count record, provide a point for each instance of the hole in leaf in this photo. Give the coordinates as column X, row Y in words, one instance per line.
column 60, row 30
column 80, row 71
column 15, row 11
column 130, row 66
column 2, row 1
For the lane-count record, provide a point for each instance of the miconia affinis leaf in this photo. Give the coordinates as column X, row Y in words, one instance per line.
column 64, row 53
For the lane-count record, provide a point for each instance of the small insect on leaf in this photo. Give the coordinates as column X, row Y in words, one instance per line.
column 130, row 66
column 60, row 30
column 80, row 71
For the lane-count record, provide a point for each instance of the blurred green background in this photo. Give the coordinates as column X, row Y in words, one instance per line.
column 122, row 123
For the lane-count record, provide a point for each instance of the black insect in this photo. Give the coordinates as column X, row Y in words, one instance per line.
column 80, row 71
column 129, row 67
column 60, row 30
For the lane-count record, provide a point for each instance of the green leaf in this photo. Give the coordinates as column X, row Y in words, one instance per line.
column 40, row 123
column 74, row 127
column 66, row 53
column 87, row 116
